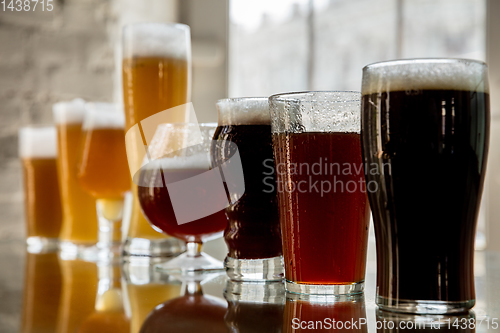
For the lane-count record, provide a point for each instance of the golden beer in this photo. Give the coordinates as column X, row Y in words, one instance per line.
column 38, row 152
column 103, row 170
column 156, row 77
column 79, row 209
column 42, row 291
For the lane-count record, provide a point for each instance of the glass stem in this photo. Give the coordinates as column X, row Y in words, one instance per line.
column 193, row 249
column 109, row 213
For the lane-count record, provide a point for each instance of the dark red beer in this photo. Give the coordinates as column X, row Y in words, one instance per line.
column 157, row 207
column 324, row 232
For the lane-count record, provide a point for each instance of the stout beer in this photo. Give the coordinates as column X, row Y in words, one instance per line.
column 425, row 140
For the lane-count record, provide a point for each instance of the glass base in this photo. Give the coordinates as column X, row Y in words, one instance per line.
column 325, row 289
column 186, row 264
column 255, row 270
column 101, row 252
column 424, row 307
column 41, row 244
column 70, row 251
column 256, row 292
column 153, row 248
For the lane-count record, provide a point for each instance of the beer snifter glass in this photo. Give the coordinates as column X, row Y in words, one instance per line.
column 43, row 213
column 253, row 233
column 156, row 70
column 103, row 173
column 425, row 130
column 324, row 212
column 181, row 195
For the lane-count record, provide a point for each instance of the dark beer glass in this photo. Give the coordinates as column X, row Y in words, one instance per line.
column 324, row 212
column 425, row 130
column 252, row 234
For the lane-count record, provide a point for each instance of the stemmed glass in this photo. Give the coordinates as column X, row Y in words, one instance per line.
column 103, row 172
column 181, row 195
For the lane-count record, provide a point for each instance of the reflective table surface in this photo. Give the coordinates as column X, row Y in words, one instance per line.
column 46, row 293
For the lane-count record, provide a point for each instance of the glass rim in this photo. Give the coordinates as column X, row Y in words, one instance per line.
column 288, row 96
column 395, row 62
column 241, row 99
column 179, row 26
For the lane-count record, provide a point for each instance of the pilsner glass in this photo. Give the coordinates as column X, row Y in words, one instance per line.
column 156, row 76
column 425, row 126
column 181, row 196
column 79, row 226
column 324, row 212
column 253, row 232
column 38, row 153
column 103, row 172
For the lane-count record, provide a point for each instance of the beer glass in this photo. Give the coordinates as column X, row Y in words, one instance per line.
column 253, row 232
column 79, row 226
column 324, row 212
column 425, row 126
column 156, row 71
column 104, row 174
column 42, row 202
column 181, row 196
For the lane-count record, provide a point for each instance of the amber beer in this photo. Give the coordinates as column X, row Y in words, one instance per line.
column 156, row 77
column 38, row 153
column 79, row 212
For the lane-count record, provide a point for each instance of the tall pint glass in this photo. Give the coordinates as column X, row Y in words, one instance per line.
column 425, row 131
column 156, row 77
column 323, row 206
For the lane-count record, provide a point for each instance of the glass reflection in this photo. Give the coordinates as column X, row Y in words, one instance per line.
column 304, row 313
column 193, row 312
column 388, row 322
column 79, row 288
column 109, row 314
column 145, row 288
column 42, row 291
column 250, row 301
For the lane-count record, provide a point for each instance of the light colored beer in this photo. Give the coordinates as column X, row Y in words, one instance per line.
column 42, row 291
column 79, row 208
column 38, row 152
column 79, row 289
column 144, row 298
column 42, row 200
column 151, row 85
column 103, row 170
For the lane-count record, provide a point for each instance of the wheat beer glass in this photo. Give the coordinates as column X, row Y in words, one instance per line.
column 42, row 202
column 79, row 226
column 425, row 126
column 253, row 233
column 324, row 212
column 181, row 195
column 156, row 70
column 103, row 172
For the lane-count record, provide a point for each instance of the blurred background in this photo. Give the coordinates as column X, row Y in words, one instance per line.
column 240, row 48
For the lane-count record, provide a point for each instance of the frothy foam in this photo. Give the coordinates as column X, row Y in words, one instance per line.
column 244, row 111
column 38, row 142
column 71, row 112
column 417, row 74
column 197, row 161
column 157, row 39
column 103, row 115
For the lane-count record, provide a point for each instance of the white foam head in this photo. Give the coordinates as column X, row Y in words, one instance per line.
column 171, row 40
column 71, row 112
column 244, row 111
column 102, row 116
column 197, row 161
column 38, row 142
column 432, row 74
